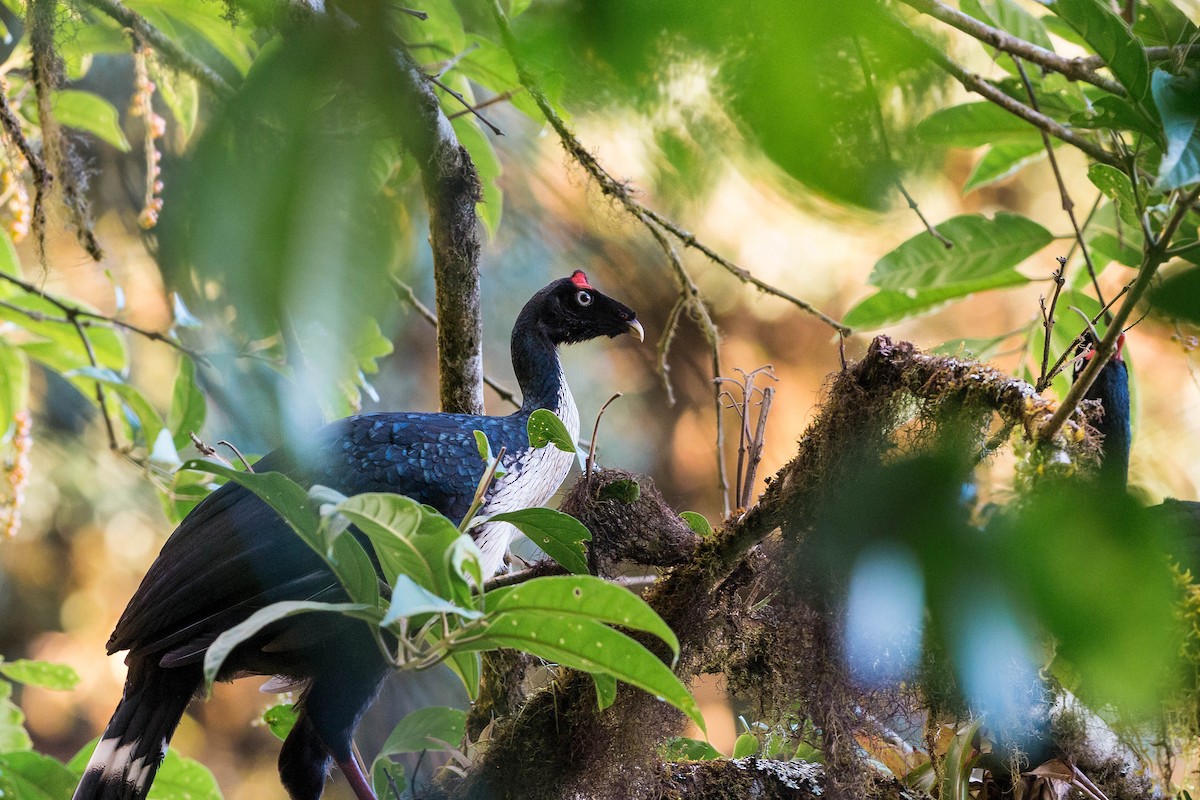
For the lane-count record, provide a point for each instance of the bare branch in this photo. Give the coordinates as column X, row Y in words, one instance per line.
column 1048, row 321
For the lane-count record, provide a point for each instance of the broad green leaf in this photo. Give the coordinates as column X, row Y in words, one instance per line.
column 33, row 776
column 887, row 306
column 746, row 745
column 489, row 65
column 89, row 112
column 354, row 570
column 232, row 42
column 517, row 7
column 188, row 406
column 584, row 644
column 1116, row 186
column 391, row 522
column 681, row 748
column 582, row 596
column 559, row 535
column 484, row 446
column 409, row 599
column 10, row 264
column 1002, row 161
column 985, row 250
column 979, row 349
column 14, row 387
column 1177, row 98
column 1161, row 22
column 606, row 689
column 1178, row 296
column 1111, row 38
column 443, row 27
column 469, row 669
column 280, row 719
column 182, row 778
column 220, row 649
column 1110, row 111
column 698, row 523
column 546, row 428
column 387, row 778
column 430, row 728
column 13, row 735
column 974, row 125
column 59, row 677
column 1111, row 239
column 959, row 760
column 278, row 491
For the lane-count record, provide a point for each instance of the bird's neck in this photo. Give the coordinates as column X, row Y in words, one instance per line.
column 539, row 371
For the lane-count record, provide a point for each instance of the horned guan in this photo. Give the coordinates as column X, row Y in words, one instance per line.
column 233, row 555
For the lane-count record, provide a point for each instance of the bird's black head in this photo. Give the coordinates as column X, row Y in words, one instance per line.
column 571, row 310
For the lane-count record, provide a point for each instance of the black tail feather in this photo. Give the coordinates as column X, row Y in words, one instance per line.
column 135, row 741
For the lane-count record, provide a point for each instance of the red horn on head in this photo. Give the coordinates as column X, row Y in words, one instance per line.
column 579, row 278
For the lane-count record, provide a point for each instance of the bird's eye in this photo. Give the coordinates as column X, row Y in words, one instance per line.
column 584, row 298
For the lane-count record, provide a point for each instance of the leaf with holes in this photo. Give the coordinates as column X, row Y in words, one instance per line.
column 583, row 596
column 559, row 535
column 546, row 428
column 587, row 645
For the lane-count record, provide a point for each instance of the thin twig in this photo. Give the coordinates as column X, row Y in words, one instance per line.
column 757, row 444
column 873, row 97
column 467, row 105
column 591, row 456
column 1048, row 319
column 1186, row 52
column 491, row 101
column 1153, row 258
column 664, row 346
column 409, row 296
column 101, row 398
column 237, row 453
column 1068, row 205
column 1073, row 68
column 166, row 47
column 1070, row 350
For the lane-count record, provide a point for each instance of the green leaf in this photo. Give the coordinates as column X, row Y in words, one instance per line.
column 57, row 344
column 559, row 535
column 746, row 745
column 354, row 569
column 1110, row 111
column 387, row 778
column 409, row 599
column 886, row 307
column 205, row 19
column 10, row 264
column 974, row 125
column 182, row 778
column 14, row 387
column 220, row 649
column 1178, row 296
column 469, row 669
column 698, row 523
column 1111, row 239
column 430, row 728
column 1002, row 161
column 484, row 446
column 985, row 250
column 188, row 406
column 1112, row 40
column 1117, row 187
column 89, row 112
column 546, row 428
column 582, row 596
column 59, row 677
column 587, row 645
column 623, row 491
column 1160, row 22
column 278, row 491
column 281, row 719
column 1177, row 98
column 33, row 776
column 13, row 735
column 606, row 689
column 407, row 540
column 681, row 748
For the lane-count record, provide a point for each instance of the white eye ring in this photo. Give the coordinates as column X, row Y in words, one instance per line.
column 584, row 298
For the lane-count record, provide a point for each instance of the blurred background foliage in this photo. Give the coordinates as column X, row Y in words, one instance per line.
column 263, row 228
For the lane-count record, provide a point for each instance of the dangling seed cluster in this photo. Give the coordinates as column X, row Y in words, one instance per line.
column 17, row 472
column 142, row 106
